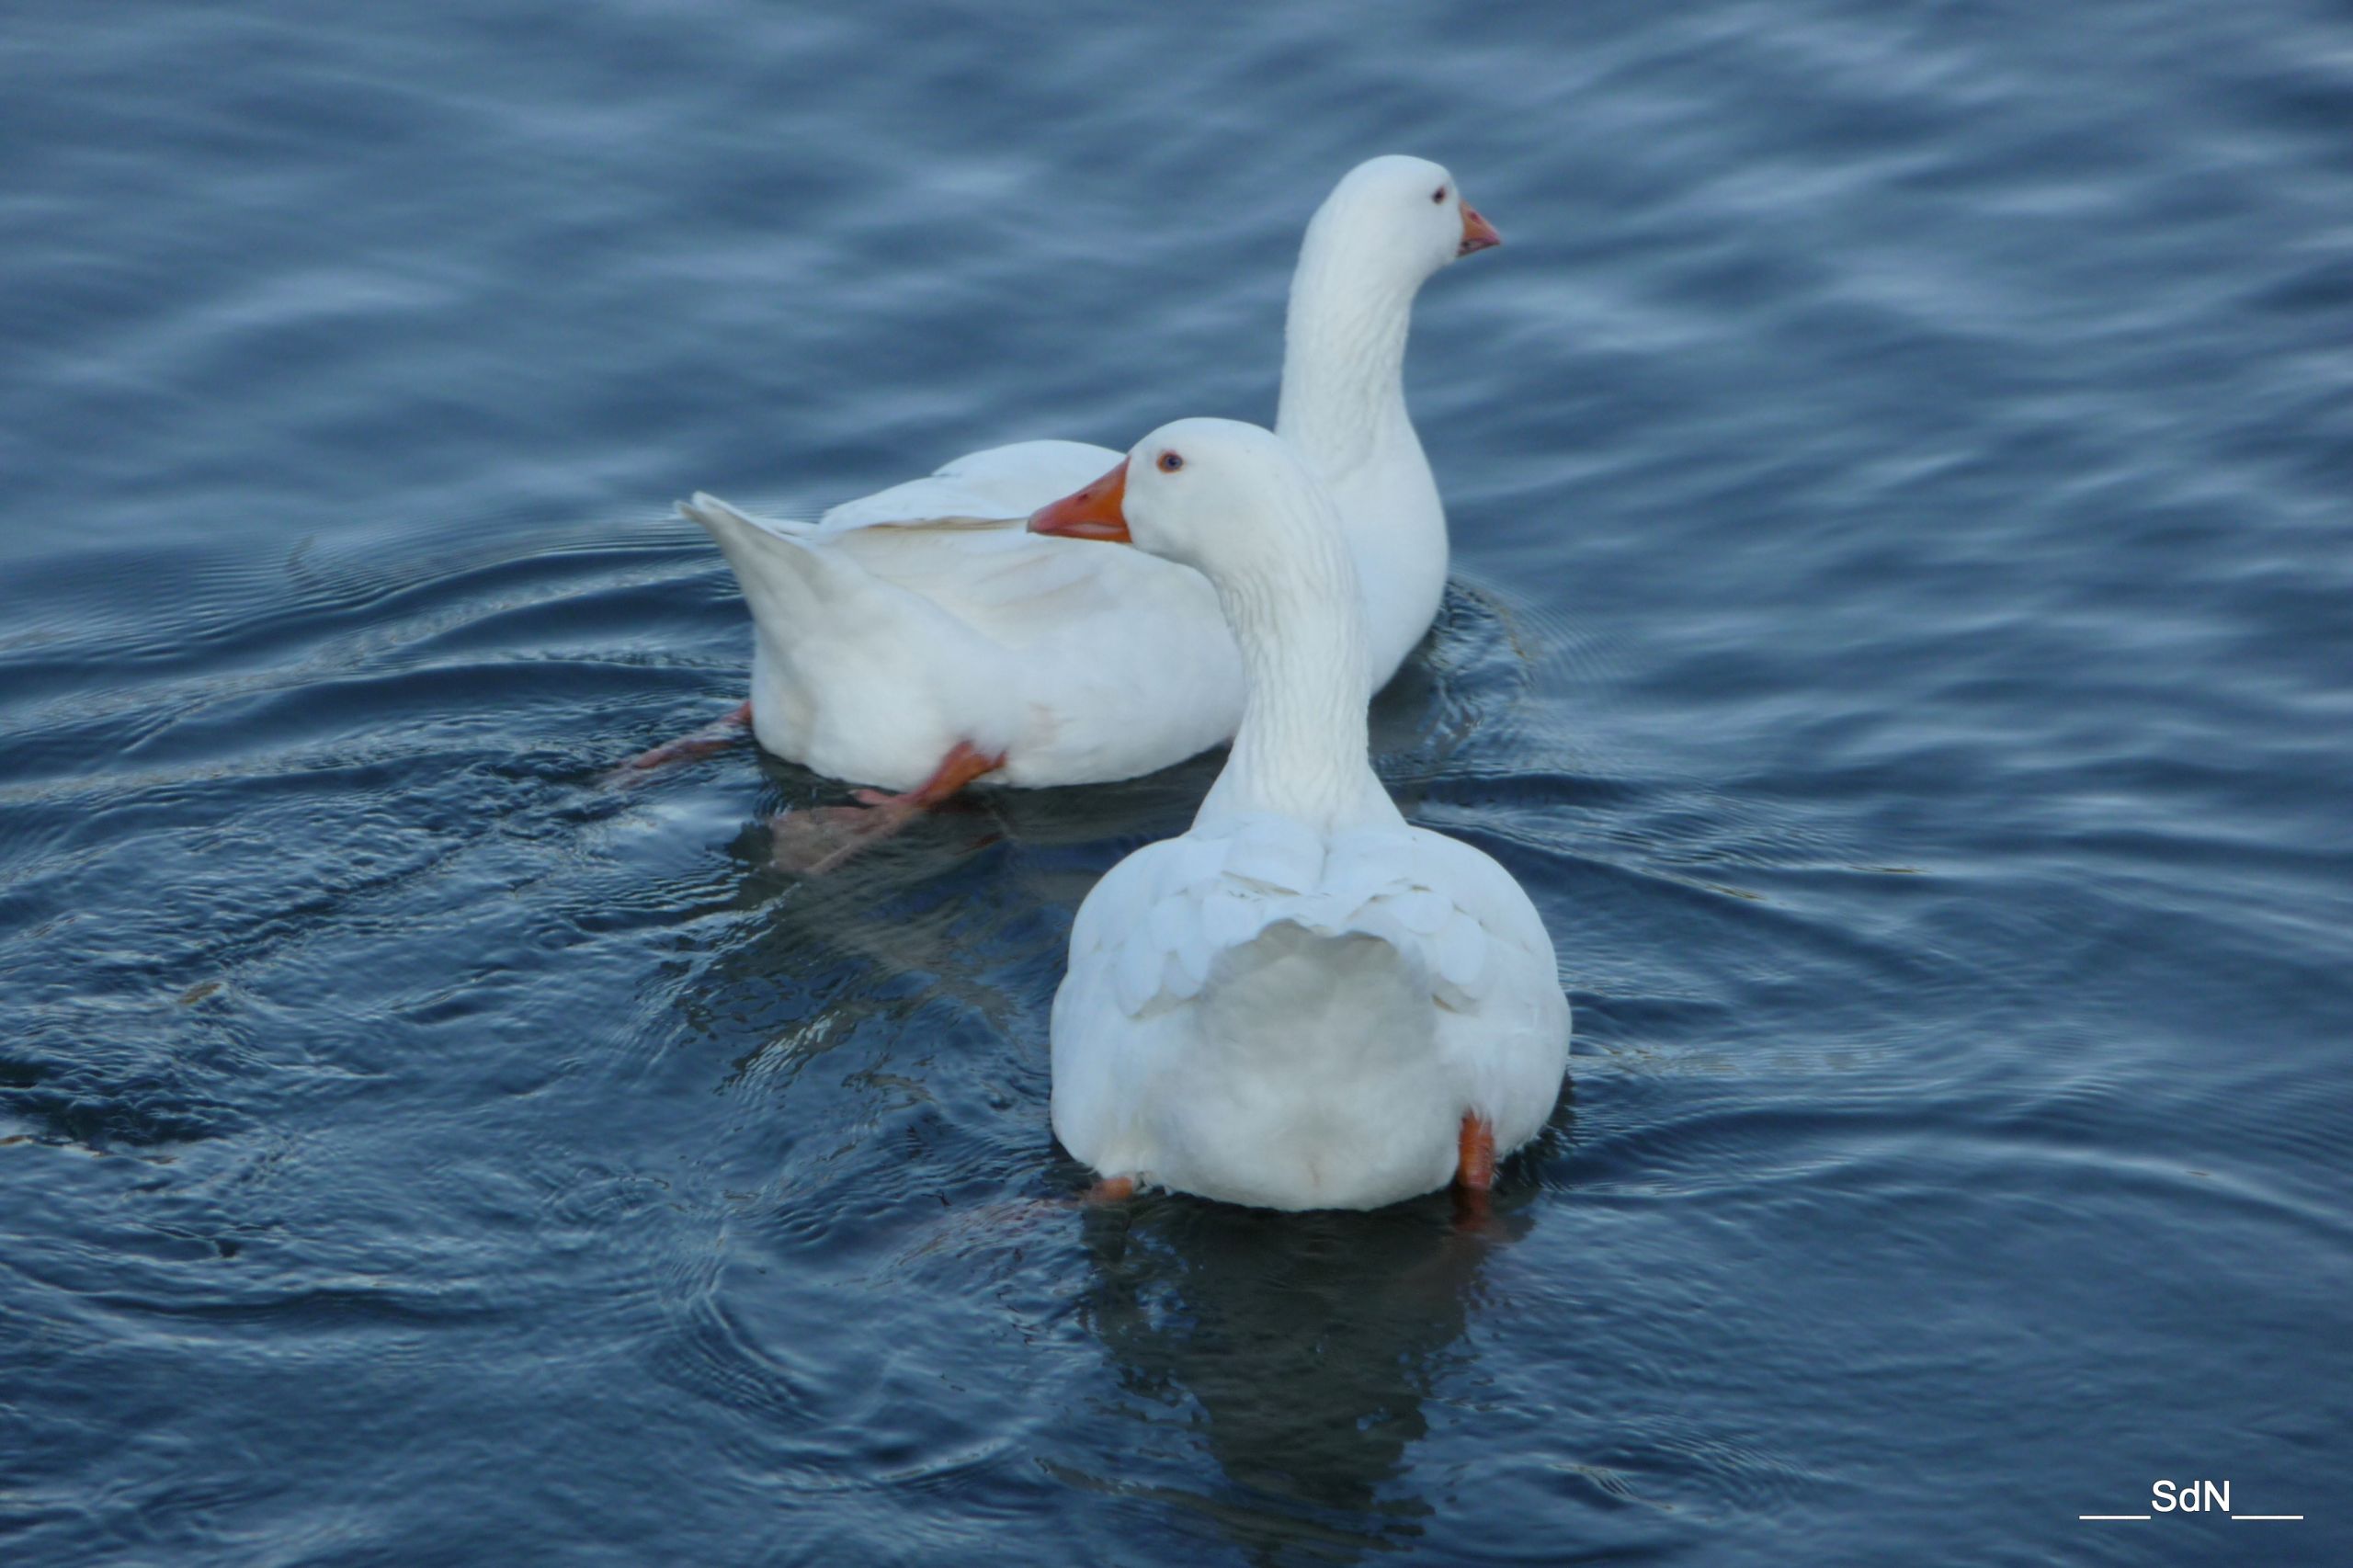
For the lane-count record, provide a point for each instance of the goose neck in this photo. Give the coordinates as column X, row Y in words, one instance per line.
column 1344, row 357
column 1302, row 748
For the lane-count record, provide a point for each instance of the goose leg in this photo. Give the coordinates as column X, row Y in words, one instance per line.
column 1110, row 1190
column 717, row 735
column 1474, row 1170
column 814, row 841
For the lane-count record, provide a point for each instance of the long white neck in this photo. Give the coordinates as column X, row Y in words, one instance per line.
column 1342, row 409
column 1302, row 748
column 1344, row 353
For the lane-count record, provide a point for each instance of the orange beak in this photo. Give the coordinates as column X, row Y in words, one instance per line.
column 1477, row 232
column 1091, row 512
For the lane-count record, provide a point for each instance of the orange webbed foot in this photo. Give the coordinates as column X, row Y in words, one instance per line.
column 715, row 736
column 815, row 840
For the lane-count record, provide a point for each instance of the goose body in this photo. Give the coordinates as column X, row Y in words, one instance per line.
column 880, row 645
column 923, row 619
column 1304, row 1002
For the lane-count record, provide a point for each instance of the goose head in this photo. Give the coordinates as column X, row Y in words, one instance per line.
column 1225, row 498
column 1404, row 213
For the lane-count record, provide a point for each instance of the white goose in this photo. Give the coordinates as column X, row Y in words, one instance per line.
column 905, row 641
column 1303, row 1002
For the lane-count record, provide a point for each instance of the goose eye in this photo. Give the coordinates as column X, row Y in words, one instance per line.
column 1439, row 195
column 1170, row 463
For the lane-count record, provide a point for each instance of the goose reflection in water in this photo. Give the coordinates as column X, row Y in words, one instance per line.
column 1300, row 1349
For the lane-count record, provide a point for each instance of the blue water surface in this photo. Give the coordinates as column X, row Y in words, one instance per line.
column 1901, row 467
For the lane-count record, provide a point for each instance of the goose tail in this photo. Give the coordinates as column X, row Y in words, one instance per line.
column 786, row 580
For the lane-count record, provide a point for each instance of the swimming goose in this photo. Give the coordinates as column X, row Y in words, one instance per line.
column 919, row 638
column 1303, row 1002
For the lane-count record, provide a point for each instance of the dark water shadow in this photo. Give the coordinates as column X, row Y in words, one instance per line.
column 1298, row 1351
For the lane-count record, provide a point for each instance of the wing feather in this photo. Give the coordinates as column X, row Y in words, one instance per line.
column 1162, row 916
